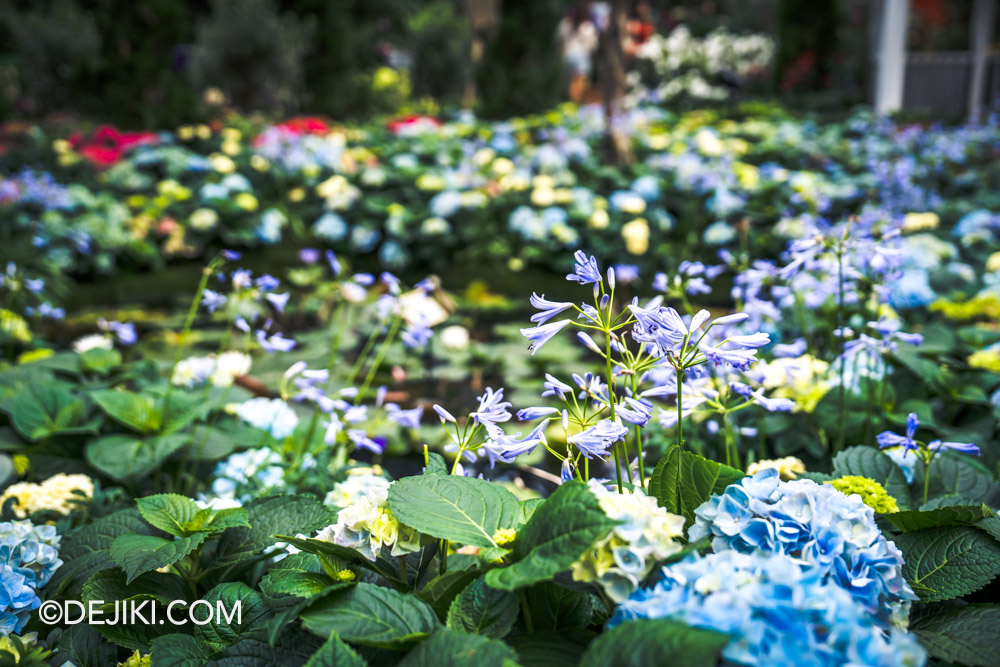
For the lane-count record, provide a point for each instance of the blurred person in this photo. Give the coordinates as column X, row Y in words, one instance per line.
column 641, row 25
column 579, row 40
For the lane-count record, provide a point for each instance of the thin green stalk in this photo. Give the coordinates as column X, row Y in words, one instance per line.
column 927, row 475
column 379, row 358
column 186, row 331
column 611, row 403
column 680, row 408
column 638, row 436
column 842, row 435
column 339, row 315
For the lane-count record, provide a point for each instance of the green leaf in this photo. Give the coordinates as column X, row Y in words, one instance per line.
column 138, row 412
column 435, row 465
column 947, row 562
column 482, row 610
column 137, row 554
column 268, row 517
column 100, row 360
column 293, row 582
column 372, row 616
column 528, row 508
column 452, row 648
column 645, row 641
column 554, row 607
column 682, row 481
column 461, row 509
column 558, row 533
column 335, row 653
column 85, row 551
column 908, row 521
column 222, row 628
column 293, row 647
column 209, row 520
column 168, row 511
column 442, row 589
column 551, row 648
column 111, row 585
column 41, row 410
column 85, row 647
column 125, row 457
column 873, row 464
column 966, row 635
column 178, row 650
column 959, row 475
column 181, row 516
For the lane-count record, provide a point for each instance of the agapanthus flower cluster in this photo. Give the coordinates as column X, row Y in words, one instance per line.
column 29, row 555
column 219, row 370
column 482, row 436
column 60, row 493
column 368, row 525
column 355, row 486
column 777, row 610
column 817, row 524
column 646, row 535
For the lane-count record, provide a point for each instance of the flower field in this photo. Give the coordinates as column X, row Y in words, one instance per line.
column 450, row 392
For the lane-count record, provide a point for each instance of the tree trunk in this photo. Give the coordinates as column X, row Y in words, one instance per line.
column 617, row 145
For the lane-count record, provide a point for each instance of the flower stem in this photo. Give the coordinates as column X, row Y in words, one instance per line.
column 611, row 403
column 186, row 331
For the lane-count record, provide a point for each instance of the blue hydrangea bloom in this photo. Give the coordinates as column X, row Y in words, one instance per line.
column 29, row 555
column 777, row 609
column 817, row 524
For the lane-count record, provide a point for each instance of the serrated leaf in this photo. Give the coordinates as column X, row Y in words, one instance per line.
column 229, row 598
column 551, row 648
column 482, row 610
column 528, row 508
column 554, row 607
column 965, row 635
column 138, row 412
column 85, row 551
column 178, row 650
column 125, row 457
column 910, row 520
column 945, row 563
column 85, row 647
column 292, row 582
column 683, row 480
column 558, row 533
column 961, row 476
column 873, row 464
column 435, row 465
column 43, row 409
column 268, row 517
column 372, row 616
column 442, row 589
column 461, row 509
column 137, row 554
column 293, row 647
column 168, row 511
column 335, row 653
column 645, row 641
column 111, row 585
column 451, row 648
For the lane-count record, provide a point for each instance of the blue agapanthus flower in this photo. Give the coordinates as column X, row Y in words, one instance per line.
column 817, row 524
column 777, row 610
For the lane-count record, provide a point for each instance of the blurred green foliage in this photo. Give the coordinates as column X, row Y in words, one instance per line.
column 148, row 64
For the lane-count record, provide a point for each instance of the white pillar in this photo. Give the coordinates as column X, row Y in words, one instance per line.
column 890, row 56
column 981, row 35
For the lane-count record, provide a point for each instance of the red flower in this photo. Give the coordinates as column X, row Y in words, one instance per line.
column 412, row 123
column 107, row 145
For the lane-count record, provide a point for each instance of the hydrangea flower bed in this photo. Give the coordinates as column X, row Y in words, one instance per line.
column 759, row 426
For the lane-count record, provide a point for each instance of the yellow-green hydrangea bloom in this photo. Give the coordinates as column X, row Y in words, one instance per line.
column 872, row 493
